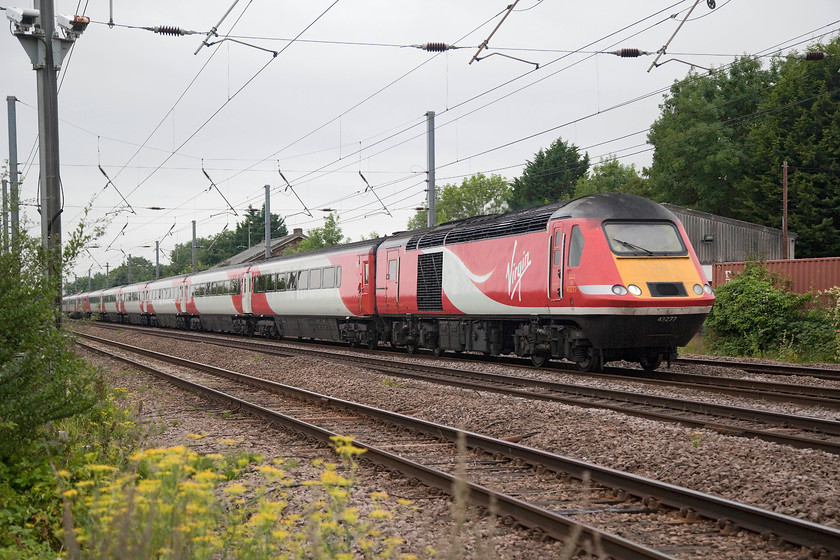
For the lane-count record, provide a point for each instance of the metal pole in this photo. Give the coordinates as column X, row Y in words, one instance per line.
column 157, row 260
column 129, row 268
column 107, row 277
column 88, row 281
column 785, row 210
column 194, row 251
column 430, row 159
column 5, row 215
column 49, row 160
column 267, row 222
column 13, row 167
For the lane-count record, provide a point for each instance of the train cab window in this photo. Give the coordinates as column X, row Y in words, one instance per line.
column 575, row 247
column 338, row 276
column 329, row 277
column 303, row 280
column 314, row 278
column 644, row 239
column 392, row 270
column 558, row 248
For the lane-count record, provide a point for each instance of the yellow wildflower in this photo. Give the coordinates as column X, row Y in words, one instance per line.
column 235, row 489
column 380, row 514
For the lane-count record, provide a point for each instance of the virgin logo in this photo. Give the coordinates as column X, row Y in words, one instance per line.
column 515, row 272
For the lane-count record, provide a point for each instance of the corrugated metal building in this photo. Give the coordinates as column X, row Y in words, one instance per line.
column 717, row 239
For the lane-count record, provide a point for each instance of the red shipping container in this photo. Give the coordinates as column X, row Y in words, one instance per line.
column 804, row 274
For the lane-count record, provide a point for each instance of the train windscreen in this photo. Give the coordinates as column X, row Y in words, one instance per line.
column 644, row 239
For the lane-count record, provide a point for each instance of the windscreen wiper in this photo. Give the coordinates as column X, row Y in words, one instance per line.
column 634, row 247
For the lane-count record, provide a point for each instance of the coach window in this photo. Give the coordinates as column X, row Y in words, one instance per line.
column 329, row 277
column 367, row 273
column 292, row 282
column 575, row 247
column 281, row 282
column 303, row 280
column 314, row 278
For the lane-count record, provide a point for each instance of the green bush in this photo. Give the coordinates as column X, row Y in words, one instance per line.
column 41, row 378
column 755, row 316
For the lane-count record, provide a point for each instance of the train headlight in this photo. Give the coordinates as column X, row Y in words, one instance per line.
column 698, row 289
column 708, row 289
column 619, row 290
column 634, row 289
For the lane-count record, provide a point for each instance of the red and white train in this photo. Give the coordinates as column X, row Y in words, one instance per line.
column 600, row 278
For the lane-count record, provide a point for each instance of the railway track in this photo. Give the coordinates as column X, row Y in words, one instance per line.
column 787, row 429
column 537, row 489
column 766, row 369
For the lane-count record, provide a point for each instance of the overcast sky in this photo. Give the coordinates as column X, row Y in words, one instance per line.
column 350, row 95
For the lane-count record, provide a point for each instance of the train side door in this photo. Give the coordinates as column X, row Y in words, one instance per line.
column 364, row 284
column 392, row 281
column 246, row 293
column 556, row 275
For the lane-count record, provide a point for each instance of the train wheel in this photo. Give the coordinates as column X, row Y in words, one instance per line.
column 540, row 359
column 592, row 362
column 650, row 361
column 438, row 351
column 411, row 347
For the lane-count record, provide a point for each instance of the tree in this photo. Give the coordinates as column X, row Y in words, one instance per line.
column 612, row 176
column 251, row 231
column 722, row 139
column 550, row 177
column 217, row 248
column 703, row 148
column 477, row 195
column 800, row 125
column 327, row 236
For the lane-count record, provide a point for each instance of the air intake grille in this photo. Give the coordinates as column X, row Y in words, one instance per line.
column 429, row 282
column 485, row 227
column 667, row 289
column 516, row 224
column 432, row 239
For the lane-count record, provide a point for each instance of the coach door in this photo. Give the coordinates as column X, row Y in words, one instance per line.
column 556, row 276
column 364, row 284
column 246, row 292
column 392, row 282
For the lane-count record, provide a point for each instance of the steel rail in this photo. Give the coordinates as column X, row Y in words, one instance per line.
column 790, row 529
column 558, row 527
column 712, row 416
column 828, row 397
column 771, row 369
